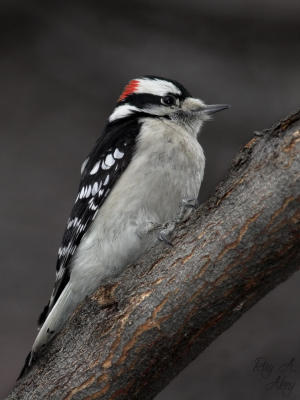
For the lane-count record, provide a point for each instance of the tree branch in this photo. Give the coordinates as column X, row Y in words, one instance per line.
column 175, row 301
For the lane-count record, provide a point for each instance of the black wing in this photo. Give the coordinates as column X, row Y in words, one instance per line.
column 100, row 171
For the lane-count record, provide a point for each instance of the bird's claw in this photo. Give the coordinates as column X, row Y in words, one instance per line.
column 190, row 203
column 186, row 204
column 168, row 228
column 163, row 234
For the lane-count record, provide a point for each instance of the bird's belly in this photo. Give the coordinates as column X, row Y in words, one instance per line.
column 149, row 193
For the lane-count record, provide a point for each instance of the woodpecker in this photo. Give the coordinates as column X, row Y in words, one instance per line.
column 144, row 168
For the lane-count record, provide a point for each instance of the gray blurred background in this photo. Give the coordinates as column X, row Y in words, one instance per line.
column 63, row 65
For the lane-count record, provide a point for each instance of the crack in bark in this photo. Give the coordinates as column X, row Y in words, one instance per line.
column 79, row 388
column 242, row 232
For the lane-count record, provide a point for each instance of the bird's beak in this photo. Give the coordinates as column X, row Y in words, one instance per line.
column 191, row 104
column 213, row 108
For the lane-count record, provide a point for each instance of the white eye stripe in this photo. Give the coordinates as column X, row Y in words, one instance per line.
column 118, row 154
column 157, row 87
column 95, row 168
column 122, row 111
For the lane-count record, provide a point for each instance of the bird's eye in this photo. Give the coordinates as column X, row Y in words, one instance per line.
column 169, row 100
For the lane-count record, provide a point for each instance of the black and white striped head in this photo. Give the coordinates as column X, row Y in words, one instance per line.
column 164, row 98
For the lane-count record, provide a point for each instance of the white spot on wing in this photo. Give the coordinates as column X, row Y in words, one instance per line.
column 109, row 160
column 104, row 166
column 94, row 216
column 81, row 194
column 81, row 228
column 106, row 181
column 88, row 192
column 95, row 168
column 92, row 206
column 84, row 165
column 95, row 188
column 118, row 154
column 59, row 274
column 64, row 250
column 100, row 192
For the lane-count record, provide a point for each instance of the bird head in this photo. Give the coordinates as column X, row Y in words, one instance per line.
column 152, row 96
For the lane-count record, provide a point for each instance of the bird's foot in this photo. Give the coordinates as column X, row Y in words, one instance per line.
column 190, row 203
column 185, row 208
column 149, row 227
column 162, row 231
column 165, row 232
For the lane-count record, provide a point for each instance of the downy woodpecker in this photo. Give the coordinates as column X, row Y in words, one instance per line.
column 147, row 161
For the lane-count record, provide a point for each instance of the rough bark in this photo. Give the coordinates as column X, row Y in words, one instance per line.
column 175, row 301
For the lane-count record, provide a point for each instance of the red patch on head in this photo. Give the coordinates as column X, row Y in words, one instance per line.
column 129, row 89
